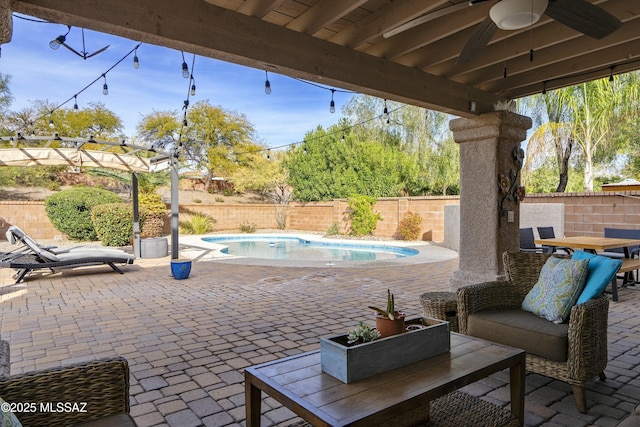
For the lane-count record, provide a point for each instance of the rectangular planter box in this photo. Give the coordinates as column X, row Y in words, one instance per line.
column 353, row 363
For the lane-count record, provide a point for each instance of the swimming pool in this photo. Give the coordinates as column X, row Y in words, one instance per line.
column 275, row 247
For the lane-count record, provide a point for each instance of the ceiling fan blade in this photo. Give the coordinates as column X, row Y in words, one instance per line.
column 429, row 17
column 478, row 41
column 584, row 17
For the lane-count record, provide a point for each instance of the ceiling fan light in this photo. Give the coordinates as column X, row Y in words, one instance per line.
column 517, row 14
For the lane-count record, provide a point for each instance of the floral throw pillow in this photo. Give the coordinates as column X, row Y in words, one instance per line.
column 7, row 418
column 560, row 283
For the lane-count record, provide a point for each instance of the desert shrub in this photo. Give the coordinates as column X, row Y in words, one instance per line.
column 334, row 229
column 70, row 210
column 113, row 223
column 42, row 176
column 219, row 199
column 247, row 227
column 152, row 213
column 409, row 227
column 197, row 201
column 363, row 219
column 196, row 224
column 227, row 192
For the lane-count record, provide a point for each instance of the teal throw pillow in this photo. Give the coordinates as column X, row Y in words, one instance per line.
column 7, row 418
column 602, row 270
column 560, row 283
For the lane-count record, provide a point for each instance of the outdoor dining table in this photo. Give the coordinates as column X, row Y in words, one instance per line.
column 590, row 243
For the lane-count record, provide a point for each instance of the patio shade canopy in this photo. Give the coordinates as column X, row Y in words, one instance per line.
column 404, row 50
column 79, row 152
column 72, row 157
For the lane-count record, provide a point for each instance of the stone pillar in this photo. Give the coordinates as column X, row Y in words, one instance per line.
column 490, row 163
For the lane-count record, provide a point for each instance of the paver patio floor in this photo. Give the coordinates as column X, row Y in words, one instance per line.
column 188, row 341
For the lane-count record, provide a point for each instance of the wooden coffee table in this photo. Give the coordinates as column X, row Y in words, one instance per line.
column 298, row 383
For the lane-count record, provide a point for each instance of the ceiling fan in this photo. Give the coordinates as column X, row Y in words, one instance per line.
column 580, row 15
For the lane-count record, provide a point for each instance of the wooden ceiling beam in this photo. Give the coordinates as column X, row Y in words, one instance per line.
column 322, row 14
column 557, row 53
column 415, row 38
column 596, row 62
column 259, row 8
column 384, row 19
column 207, row 30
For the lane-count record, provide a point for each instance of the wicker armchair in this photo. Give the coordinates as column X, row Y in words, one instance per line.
column 586, row 355
column 102, row 384
column 5, row 366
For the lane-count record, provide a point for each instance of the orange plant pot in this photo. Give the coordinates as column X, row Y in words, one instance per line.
column 388, row 327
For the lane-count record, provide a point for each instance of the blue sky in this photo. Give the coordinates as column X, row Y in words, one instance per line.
column 40, row 73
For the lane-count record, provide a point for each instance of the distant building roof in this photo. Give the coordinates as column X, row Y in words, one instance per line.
column 624, row 185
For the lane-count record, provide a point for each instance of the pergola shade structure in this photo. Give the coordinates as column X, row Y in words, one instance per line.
column 75, row 152
column 360, row 44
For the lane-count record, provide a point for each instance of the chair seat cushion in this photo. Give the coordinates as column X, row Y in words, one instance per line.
column 118, row 420
column 521, row 329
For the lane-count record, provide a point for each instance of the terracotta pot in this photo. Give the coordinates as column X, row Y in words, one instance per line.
column 388, row 327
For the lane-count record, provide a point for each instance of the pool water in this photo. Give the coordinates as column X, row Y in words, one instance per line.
column 293, row 248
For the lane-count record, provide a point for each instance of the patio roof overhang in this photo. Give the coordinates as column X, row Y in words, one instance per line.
column 347, row 44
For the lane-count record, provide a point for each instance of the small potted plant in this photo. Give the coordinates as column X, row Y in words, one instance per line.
column 390, row 321
column 363, row 333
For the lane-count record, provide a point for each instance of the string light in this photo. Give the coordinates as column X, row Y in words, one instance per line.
column 51, row 124
column 57, row 42
column 267, row 85
column 185, row 69
column 192, row 92
column 136, row 61
column 269, row 154
column 544, row 87
column 332, row 105
column 75, row 104
column 105, row 88
column 385, row 113
column 611, row 75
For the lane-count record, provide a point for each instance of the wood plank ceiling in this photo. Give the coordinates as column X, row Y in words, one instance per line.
column 350, row 43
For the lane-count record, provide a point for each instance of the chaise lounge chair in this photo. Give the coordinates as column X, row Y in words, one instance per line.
column 33, row 256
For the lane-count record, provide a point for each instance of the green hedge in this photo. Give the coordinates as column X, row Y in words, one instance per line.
column 70, row 210
column 113, row 223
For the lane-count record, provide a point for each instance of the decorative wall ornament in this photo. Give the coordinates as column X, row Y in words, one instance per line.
column 509, row 187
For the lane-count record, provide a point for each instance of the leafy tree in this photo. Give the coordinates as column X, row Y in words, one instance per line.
column 5, row 92
column 432, row 162
column 210, row 138
column 325, row 167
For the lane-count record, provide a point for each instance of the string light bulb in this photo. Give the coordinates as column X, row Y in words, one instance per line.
column 105, row 87
column 136, row 61
column 185, row 68
column 58, row 41
column 332, row 105
column 192, row 92
column 611, row 76
column 385, row 113
column 51, row 124
column 267, row 84
column 75, row 104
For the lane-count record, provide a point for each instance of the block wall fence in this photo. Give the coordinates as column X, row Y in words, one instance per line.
column 585, row 214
